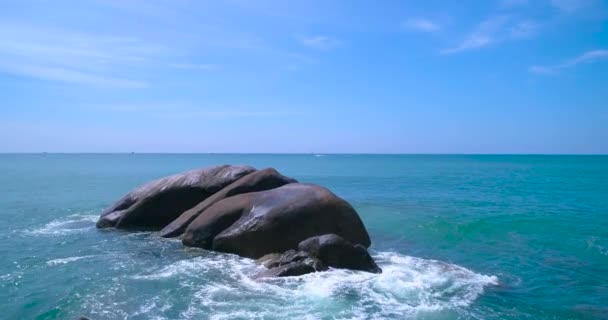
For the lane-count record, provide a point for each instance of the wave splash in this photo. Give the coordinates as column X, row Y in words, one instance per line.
column 76, row 223
column 61, row 261
column 223, row 286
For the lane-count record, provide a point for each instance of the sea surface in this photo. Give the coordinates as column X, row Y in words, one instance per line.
column 458, row 237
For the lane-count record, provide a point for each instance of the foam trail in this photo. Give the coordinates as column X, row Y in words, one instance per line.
column 76, row 223
column 55, row 262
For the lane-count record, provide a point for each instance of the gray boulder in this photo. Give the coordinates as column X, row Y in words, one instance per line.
column 258, row 223
column 157, row 203
column 256, row 181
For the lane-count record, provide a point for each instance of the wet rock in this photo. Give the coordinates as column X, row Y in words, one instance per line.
column 157, row 203
column 256, row 181
column 337, row 252
column 289, row 263
column 276, row 220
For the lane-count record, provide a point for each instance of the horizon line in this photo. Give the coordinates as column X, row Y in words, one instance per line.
column 303, row 153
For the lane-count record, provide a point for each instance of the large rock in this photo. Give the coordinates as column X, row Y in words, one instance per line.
column 157, row 203
column 276, row 220
column 337, row 252
column 256, row 181
column 289, row 263
column 287, row 270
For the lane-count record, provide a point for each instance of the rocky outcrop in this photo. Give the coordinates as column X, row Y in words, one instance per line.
column 157, row 203
column 289, row 263
column 292, row 228
column 255, row 224
column 257, row 181
column 337, row 252
column 317, row 254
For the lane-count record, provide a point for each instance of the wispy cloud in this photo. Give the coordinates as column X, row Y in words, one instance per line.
column 473, row 41
column 513, row 3
column 570, row 6
column 422, row 25
column 58, row 54
column 70, row 76
column 585, row 58
column 67, row 56
column 191, row 110
column 194, row 66
column 239, row 114
column 493, row 30
column 483, row 35
column 523, row 29
column 320, row 42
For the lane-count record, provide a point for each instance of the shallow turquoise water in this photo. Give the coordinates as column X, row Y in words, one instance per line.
column 470, row 237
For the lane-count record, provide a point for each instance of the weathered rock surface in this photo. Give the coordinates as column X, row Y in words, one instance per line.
column 157, row 203
column 288, row 270
column 337, row 252
column 256, row 181
column 289, row 263
column 317, row 254
column 276, row 220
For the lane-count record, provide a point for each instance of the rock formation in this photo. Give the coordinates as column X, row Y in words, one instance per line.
column 291, row 228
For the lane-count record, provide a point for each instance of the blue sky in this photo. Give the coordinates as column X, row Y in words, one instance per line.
column 504, row 76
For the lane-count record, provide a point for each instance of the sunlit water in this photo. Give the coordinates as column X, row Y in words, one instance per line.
column 470, row 237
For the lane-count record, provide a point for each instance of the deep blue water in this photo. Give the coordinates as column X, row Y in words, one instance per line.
column 469, row 237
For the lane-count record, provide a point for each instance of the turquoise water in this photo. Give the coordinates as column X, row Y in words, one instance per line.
column 469, row 237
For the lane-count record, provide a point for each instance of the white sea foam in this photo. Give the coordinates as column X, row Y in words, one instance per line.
column 55, row 262
column 221, row 286
column 591, row 244
column 199, row 265
column 153, row 305
column 11, row 276
column 76, row 223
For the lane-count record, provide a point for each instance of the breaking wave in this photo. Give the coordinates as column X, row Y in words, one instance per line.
column 222, row 286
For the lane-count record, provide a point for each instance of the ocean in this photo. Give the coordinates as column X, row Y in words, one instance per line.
column 458, row 237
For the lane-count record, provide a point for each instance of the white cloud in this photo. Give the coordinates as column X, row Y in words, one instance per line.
column 79, row 57
column 493, row 30
column 194, row 66
column 320, row 42
column 483, row 35
column 570, row 6
column 474, row 41
column 422, row 25
column 523, row 29
column 585, row 58
column 513, row 3
column 589, row 56
column 181, row 109
column 70, row 76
